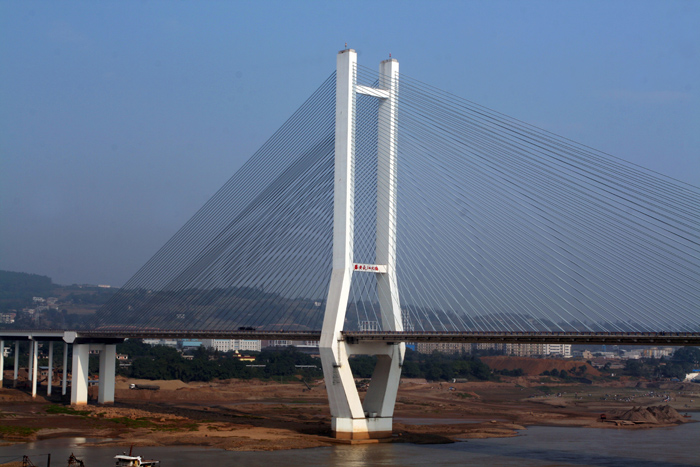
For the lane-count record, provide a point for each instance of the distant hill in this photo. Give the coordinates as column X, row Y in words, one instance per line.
column 18, row 288
column 60, row 306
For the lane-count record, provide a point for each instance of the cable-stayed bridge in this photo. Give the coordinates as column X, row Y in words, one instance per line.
column 385, row 210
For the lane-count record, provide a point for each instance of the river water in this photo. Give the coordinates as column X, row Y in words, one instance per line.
column 536, row 447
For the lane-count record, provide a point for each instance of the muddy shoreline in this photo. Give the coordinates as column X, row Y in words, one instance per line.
column 262, row 416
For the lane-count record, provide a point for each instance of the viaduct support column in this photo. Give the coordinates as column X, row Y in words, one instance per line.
column 64, row 382
column 14, row 383
column 79, row 374
column 108, row 358
column 30, row 366
column 34, row 365
column 49, row 378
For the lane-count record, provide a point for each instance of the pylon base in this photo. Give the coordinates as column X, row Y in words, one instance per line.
column 362, row 428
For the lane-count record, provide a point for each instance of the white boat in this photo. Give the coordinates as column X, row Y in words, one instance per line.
column 134, row 461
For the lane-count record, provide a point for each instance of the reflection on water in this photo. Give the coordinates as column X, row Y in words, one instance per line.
column 536, row 447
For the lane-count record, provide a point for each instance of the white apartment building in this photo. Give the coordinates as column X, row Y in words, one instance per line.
column 563, row 350
column 288, row 343
column 656, row 352
column 166, row 342
column 532, row 350
column 227, row 345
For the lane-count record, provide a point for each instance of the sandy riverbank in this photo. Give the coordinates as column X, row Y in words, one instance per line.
column 256, row 415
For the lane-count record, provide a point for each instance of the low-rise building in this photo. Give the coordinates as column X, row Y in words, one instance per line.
column 7, row 318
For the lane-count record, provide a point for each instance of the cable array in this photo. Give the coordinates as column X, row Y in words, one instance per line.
column 501, row 226
column 258, row 253
column 504, row 226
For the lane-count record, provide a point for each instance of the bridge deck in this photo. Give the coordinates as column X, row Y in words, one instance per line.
column 609, row 338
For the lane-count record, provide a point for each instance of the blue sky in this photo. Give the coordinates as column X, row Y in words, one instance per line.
column 118, row 120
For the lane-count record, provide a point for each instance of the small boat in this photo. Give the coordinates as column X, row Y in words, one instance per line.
column 134, row 461
column 124, row 460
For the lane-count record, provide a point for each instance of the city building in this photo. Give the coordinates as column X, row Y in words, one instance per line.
column 301, row 345
column 655, row 352
column 7, row 318
column 228, row 345
column 525, row 350
column 485, row 346
column 444, row 347
column 165, row 342
column 563, row 350
column 538, row 350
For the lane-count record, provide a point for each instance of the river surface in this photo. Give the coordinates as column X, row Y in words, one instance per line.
column 536, row 446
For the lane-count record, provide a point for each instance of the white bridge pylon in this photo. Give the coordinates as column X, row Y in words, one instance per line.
column 371, row 418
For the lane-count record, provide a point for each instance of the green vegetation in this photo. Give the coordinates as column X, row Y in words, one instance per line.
column 515, row 372
column 133, row 422
column 17, row 430
column 60, row 409
column 435, row 367
column 683, row 361
column 159, row 362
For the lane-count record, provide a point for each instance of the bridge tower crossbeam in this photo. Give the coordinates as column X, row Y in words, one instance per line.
column 371, row 418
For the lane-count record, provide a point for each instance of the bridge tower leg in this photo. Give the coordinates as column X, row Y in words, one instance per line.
column 371, row 418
